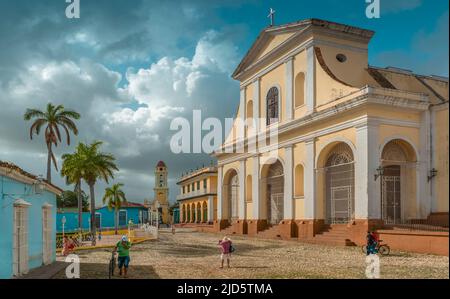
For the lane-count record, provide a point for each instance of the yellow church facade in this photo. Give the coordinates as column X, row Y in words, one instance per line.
column 359, row 147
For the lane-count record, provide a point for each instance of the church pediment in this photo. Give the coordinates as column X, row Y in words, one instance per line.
column 269, row 40
column 279, row 38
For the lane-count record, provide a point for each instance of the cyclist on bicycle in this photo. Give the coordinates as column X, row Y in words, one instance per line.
column 372, row 242
column 123, row 247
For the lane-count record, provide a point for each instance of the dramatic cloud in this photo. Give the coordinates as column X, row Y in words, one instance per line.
column 138, row 137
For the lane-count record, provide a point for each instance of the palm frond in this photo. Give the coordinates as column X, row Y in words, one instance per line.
column 33, row 113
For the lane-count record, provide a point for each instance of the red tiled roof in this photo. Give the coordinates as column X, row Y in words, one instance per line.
column 161, row 164
column 130, row 204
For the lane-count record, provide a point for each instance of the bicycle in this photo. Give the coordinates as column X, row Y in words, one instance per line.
column 112, row 265
column 381, row 249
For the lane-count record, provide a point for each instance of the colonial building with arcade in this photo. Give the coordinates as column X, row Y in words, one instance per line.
column 359, row 147
column 198, row 196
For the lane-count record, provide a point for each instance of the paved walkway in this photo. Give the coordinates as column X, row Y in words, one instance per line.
column 189, row 254
column 46, row 272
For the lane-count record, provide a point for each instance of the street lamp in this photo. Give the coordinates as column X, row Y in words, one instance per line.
column 63, row 221
column 433, row 173
column 379, row 172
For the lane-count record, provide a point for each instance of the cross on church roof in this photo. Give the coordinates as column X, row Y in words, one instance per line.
column 271, row 16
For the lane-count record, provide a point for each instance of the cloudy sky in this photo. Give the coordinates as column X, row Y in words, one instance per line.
column 131, row 66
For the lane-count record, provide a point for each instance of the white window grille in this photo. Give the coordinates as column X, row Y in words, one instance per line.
column 20, row 244
column 234, row 199
column 47, row 236
column 275, row 193
column 339, row 170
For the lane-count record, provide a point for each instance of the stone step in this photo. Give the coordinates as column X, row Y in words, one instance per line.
column 343, row 234
column 329, row 242
column 336, row 228
column 270, row 233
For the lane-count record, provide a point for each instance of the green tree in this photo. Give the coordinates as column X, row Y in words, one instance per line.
column 53, row 118
column 95, row 166
column 115, row 197
column 69, row 199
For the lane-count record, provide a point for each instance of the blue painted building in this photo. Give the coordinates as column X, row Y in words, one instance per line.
column 135, row 212
column 27, row 221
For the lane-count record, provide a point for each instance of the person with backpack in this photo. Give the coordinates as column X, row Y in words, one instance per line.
column 226, row 248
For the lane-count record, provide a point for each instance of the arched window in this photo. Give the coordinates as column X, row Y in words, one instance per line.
column 299, row 90
column 299, row 188
column 272, row 104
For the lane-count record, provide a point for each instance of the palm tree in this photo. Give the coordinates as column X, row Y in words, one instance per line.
column 95, row 166
column 115, row 198
column 73, row 170
column 53, row 118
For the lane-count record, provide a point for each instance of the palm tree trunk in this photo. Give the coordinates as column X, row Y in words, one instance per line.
column 93, row 224
column 116, row 221
column 49, row 162
column 80, row 207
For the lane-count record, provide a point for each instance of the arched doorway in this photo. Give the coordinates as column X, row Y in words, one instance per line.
column 188, row 218
column 398, row 161
column 183, row 214
column 234, row 198
column 205, row 212
column 274, row 182
column 339, row 184
column 231, row 190
column 192, row 213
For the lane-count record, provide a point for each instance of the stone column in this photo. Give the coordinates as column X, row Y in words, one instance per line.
column 256, row 102
column 288, row 183
column 196, row 213
column 367, row 160
column 423, row 196
column 310, row 80
column 181, row 213
column 242, row 205
column 289, row 64
column 310, row 180
column 219, row 192
column 433, row 163
column 255, row 189
column 210, row 208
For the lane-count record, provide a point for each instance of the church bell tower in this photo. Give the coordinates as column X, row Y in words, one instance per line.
column 161, row 190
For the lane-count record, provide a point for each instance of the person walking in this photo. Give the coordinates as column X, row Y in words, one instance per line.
column 225, row 246
column 123, row 247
